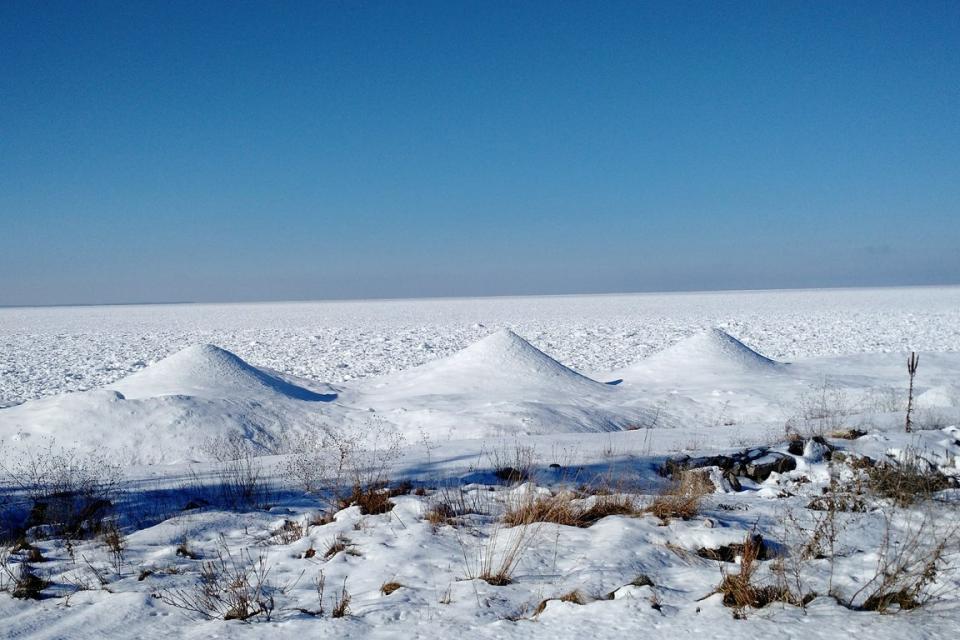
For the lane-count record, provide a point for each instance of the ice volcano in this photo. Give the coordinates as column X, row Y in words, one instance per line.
column 173, row 411
column 710, row 353
column 503, row 362
column 710, row 376
column 207, row 371
column 500, row 384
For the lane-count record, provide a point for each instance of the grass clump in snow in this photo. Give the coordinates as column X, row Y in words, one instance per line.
column 389, row 587
column 740, row 591
column 450, row 504
column 341, row 604
column 339, row 543
column 564, row 509
column 230, row 587
column 682, row 497
column 494, row 557
column 21, row 579
column 372, row 500
column 574, row 597
column 287, row 533
column 912, row 479
column 512, row 464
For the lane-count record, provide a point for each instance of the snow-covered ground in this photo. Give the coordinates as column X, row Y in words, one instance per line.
column 583, row 395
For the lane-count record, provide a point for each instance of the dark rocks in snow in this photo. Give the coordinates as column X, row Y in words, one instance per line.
column 760, row 468
column 814, row 449
column 730, row 552
column 756, row 464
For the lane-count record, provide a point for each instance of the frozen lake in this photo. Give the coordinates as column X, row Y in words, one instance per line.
column 50, row 350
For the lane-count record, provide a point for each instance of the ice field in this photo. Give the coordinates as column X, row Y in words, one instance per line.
column 534, row 451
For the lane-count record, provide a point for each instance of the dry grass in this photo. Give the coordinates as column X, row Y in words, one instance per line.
column 372, row 500
column 339, row 543
column 341, row 605
column 512, row 464
column 185, row 551
column 916, row 563
column 574, row 597
column 847, row 434
column 739, row 590
column 565, row 509
column 682, row 498
column 440, row 514
column 389, row 587
column 494, row 558
column 231, row 587
column 318, row 519
column 450, row 504
column 26, row 583
column 287, row 533
column 912, row 480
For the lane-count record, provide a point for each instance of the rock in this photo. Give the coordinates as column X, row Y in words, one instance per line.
column 756, row 464
column 815, row 451
column 730, row 552
column 733, row 481
column 760, row 469
column 796, row 446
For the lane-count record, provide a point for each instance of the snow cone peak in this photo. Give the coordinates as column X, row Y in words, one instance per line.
column 501, row 364
column 205, row 370
column 716, row 349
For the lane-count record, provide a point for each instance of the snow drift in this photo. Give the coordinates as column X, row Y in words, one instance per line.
column 713, row 353
column 173, row 410
column 207, row 371
column 500, row 384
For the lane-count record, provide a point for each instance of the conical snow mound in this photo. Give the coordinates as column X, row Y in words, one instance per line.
column 206, row 371
column 716, row 347
column 501, row 363
column 506, row 354
column 709, row 353
column 499, row 385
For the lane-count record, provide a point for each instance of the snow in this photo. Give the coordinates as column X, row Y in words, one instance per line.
column 207, row 371
column 597, row 391
column 46, row 351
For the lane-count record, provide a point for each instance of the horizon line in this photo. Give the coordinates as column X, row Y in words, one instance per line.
column 473, row 297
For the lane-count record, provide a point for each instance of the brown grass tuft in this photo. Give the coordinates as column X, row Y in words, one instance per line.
column 389, row 587
column 740, row 592
column 339, row 543
column 912, row 480
column 341, row 605
column 563, row 509
column 682, row 498
column 575, row 597
column 372, row 500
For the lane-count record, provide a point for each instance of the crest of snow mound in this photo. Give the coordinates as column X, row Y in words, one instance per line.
column 945, row 395
column 502, row 363
column 206, row 371
column 500, row 384
column 711, row 352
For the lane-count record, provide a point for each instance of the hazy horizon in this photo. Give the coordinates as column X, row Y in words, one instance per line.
column 573, row 294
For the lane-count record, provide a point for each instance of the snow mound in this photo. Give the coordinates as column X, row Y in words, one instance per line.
column 714, row 348
column 207, row 371
column 713, row 353
column 501, row 363
column 174, row 410
column 500, row 385
column 944, row 395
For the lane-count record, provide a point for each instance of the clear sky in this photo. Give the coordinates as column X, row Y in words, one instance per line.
column 279, row 150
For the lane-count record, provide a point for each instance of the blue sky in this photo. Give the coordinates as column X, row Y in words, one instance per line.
column 247, row 151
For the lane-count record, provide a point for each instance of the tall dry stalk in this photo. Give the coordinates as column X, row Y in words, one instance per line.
column 912, row 363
